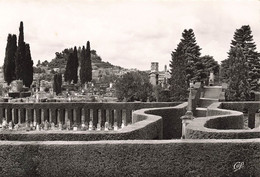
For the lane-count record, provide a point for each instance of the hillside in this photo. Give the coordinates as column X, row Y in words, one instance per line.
column 60, row 61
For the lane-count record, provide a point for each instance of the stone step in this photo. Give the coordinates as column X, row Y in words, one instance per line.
column 205, row 102
column 200, row 112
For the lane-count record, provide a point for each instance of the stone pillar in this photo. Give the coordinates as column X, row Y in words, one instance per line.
column 188, row 117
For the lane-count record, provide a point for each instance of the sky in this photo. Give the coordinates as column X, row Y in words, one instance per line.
column 127, row 33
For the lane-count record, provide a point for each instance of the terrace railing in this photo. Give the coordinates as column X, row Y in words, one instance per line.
column 77, row 113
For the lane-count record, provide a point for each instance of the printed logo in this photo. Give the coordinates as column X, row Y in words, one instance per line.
column 238, row 166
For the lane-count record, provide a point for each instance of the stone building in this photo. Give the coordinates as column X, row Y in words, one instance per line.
column 159, row 77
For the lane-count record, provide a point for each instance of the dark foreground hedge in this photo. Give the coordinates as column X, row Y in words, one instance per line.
column 131, row 158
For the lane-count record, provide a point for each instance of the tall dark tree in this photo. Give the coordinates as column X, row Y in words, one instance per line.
column 239, row 88
column 83, row 66
column 9, row 61
column 191, row 54
column 244, row 38
column 28, row 64
column 68, row 75
column 57, row 82
column 20, row 54
column 88, row 64
column 178, row 80
column 75, row 66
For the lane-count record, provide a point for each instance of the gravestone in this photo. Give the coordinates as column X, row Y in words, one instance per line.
column 16, row 86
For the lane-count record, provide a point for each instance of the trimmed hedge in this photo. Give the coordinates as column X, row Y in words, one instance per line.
column 131, row 158
column 222, row 123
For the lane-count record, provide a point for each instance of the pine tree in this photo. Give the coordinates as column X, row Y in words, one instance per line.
column 83, row 66
column 178, row 80
column 191, row 55
column 239, row 88
column 75, row 66
column 244, row 38
column 9, row 61
column 20, row 54
column 28, row 64
column 88, row 64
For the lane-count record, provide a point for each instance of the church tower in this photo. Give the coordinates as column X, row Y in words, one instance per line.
column 154, row 74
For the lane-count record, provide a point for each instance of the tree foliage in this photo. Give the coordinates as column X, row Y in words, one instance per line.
column 69, row 69
column 191, row 53
column 239, row 88
column 83, row 67
column 243, row 39
column 75, row 65
column 57, row 82
column 28, row 64
column 178, row 80
column 209, row 65
column 133, row 86
column 20, row 54
column 88, row 64
column 9, row 61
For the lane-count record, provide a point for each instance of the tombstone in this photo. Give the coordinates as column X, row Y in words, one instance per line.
column 123, row 124
column 115, row 126
column 68, row 124
column 75, row 128
column 10, row 125
column 46, row 125
column 4, row 123
column 83, row 126
column 90, row 127
column 52, row 126
column 98, row 127
column 16, row 127
column 16, row 86
column 106, row 126
column 37, row 127
column 60, row 126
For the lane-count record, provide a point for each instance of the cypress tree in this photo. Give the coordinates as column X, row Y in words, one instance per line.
column 28, row 64
column 9, row 61
column 20, row 55
column 68, row 75
column 75, row 65
column 57, row 82
column 83, row 67
column 88, row 64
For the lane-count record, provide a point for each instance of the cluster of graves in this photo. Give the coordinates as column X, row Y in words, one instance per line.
column 42, row 91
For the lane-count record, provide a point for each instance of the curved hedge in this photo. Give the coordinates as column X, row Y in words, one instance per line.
column 222, row 123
